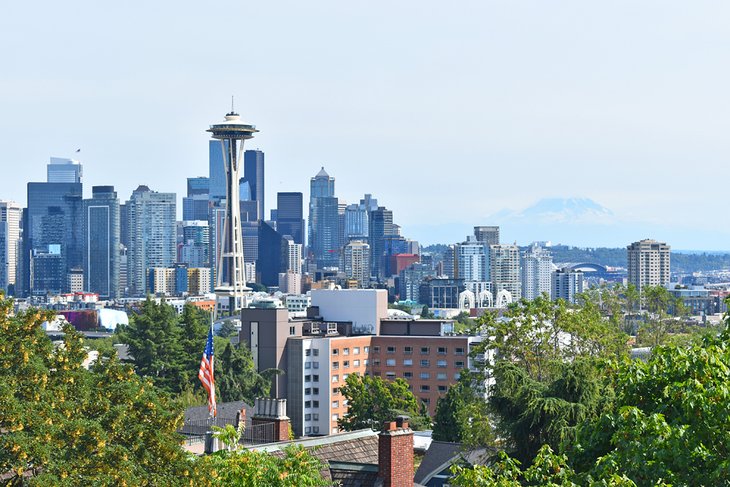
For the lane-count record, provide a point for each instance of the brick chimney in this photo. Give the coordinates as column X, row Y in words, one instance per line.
column 395, row 453
column 267, row 411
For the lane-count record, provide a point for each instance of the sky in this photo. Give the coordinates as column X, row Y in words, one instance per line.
column 449, row 113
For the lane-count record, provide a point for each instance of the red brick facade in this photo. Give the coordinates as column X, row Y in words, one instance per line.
column 395, row 454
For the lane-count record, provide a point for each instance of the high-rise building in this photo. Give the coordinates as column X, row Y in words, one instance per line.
column 10, row 232
column 52, row 232
column 380, row 226
column 294, row 255
column 290, row 215
column 151, row 223
column 195, row 204
column 357, row 217
column 325, row 224
column 195, row 248
column 273, row 255
column 217, row 153
column 253, row 174
column 439, row 292
column 101, row 232
column 410, row 280
column 504, row 261
column 537, row 269
column 62, row 170
column 472, row 260
column 566, row 284
column 356, row 257
column 199, row 185
column 230, row 288
column 320, row 186
column 648, row 263
column 487, row 234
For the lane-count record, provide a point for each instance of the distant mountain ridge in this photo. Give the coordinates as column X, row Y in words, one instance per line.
column 558, row 210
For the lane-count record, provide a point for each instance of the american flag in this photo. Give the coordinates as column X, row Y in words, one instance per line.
column 205, row 374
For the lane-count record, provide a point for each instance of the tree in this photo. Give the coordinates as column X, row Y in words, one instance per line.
column 371, row 401
column 61, row 424
column 237, row 376
column 462, row 415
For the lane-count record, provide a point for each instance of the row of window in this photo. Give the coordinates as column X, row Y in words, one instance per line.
column 346, row 350
column 312, row 352
column 315, row 404
column 310, row 430
column 459, row 364
column 346, row 364
column 408, row 350
column 422, row 376
column 311, row 365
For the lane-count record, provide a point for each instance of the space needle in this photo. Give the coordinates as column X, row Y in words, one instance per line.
column 230, row 289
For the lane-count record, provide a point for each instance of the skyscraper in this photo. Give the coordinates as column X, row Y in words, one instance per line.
column 320, row 186
column 356, row 257
column 380, row 225
column 566, row 284
column 253, row 174
column 217, row 169
column 10, row 230
column 648, row 263
column 537, row 269
column 487, row 234
column 290, row 215
column 151, row 235
column 52, row 236
column 357, row 217
column 101, row 234
column 505, row 269
column 472, row 260
column 230, row 286
column 273, row 255
column 62, row 170
column 195, row 204
column 195, row 249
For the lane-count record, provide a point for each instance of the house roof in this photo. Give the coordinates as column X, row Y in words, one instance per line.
column 442, row 454
column 226, row 410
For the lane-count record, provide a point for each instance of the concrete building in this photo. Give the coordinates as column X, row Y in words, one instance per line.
column 472, row 258
column 439, row 292
column 62, row 170
column 199, row 279
column 648, row 263
column 537, row 269
column 356, row 258
column 488, row 235
column 152, row 232
column 290, row 282
column 505, row 269
column 10, row 234
column 566, row 284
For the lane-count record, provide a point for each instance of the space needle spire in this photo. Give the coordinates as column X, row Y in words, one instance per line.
column 230, row 288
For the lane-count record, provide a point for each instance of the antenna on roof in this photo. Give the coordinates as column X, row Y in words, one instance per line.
column 232, row 110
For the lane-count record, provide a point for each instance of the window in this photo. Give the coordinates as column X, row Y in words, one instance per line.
column 315, row 378
column 307, row 365
column 307, row 352
column 390, row 375
column 442, row 350
column 307, row 404
column 407, row 350
column 315, row 365
column 335, row 365
column 335, row 417
column 366, row 349
column 425, row 363
column 315, row 404
column 345, row 351
column 345, row 376
column 315, row 391
column 425, row 401
column 408, row 362
column 376, row 362
column 292, row 330
column 408, row 375
column 425, row 350
column 307, row 417
column 307, row 391
column 390, row 350
column 346, row 364
column 459, row 364
column 425, row 388
column 456, row 376
column 335, row 378
column 441, row 363
column 390, row 362
column 356, row 351
column 335, row 404
column 442, row 388
column 366, row 362
column 315, row 430
column 335, row 431
column 307, row 378
column 335, row 390
column 308, row 430
column 459, row 351
column 424, row 375
column 376, row 349
column 315, row 416
column 441, row 376
column 315, row 352
column 335, row 351
column 356, row 363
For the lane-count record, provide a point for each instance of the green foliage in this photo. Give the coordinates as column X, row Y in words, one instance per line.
column 246, row 468
column 371, row 401
column 426, row 313
column 65, row 425
column 227, row 329
column 462, row 415
column 237, row 378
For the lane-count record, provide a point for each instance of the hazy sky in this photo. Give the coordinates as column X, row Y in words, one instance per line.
column 447, row 112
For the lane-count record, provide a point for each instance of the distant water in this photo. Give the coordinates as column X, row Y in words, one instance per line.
column 708, row 252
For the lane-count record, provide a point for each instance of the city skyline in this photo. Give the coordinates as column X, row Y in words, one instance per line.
column 593, row 109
